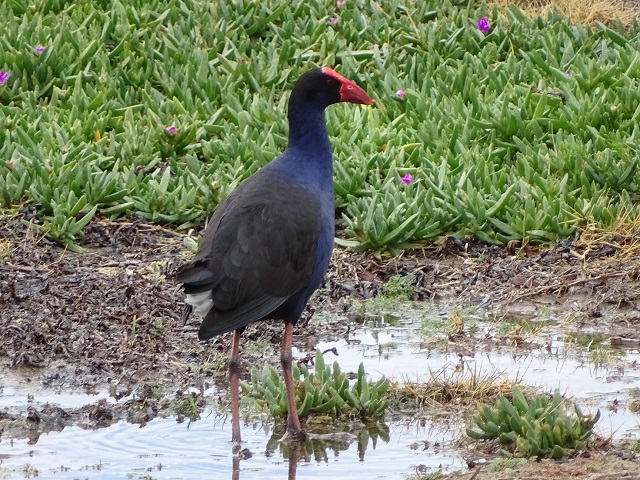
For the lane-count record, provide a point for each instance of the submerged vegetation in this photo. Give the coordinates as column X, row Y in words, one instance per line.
column 510, row 128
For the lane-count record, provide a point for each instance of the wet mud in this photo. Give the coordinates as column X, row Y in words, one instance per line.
column 108, row 320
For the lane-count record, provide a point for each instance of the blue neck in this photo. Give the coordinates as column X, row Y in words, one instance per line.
column 308, row 130
column 309, row 150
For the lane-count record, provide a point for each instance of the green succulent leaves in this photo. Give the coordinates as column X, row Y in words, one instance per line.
column 325, row 391
column 161, row 108
column 545, row 427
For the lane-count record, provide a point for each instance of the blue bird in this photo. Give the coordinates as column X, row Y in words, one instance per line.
column 267, row 247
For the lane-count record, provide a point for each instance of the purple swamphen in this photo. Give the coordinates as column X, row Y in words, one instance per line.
column 268, row 245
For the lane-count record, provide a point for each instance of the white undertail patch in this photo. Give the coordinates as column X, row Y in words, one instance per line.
column 201, row 302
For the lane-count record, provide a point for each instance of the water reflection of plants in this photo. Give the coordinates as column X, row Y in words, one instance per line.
column 320, row 447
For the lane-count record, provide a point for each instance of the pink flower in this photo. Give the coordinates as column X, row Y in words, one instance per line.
column 39, row 49
column 339, row 3
column 406, row 179
column 400, row 94
column 569, row 74
column 171, row 130
column 483, row 25
column 334, row 20
column 3, row 77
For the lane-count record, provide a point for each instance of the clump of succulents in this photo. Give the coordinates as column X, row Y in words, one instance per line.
column 325, row 391
column 548, row 426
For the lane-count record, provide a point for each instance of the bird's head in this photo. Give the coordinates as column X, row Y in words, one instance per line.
column 324, row 86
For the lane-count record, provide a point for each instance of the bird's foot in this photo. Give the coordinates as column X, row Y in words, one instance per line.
column 239, row 452
column 292, row 435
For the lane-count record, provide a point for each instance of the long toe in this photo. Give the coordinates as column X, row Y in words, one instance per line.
column 293, row 435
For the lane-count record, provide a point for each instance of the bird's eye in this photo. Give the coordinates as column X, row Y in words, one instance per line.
column 330, row 82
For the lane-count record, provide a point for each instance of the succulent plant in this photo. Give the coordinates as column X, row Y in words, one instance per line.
column 548, row 426
column 165, row 127
column 325, row 391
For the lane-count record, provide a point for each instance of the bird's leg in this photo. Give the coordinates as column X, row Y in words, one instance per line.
column 234, row 365
column 294, row 455
column 293, row 421
column 235, row 472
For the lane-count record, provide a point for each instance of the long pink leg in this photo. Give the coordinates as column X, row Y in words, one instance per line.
column 293, row 421
column 234, row 365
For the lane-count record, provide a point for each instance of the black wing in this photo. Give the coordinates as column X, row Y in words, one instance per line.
column 257, row 252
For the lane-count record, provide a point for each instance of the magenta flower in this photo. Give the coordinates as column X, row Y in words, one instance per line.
column 39, row 49
column 334, row 20
column 406, row 179
column 171, row 130
column 3, row 77
column 483, row 25
column 569, row 74
column 400, row 94
column 339, row 3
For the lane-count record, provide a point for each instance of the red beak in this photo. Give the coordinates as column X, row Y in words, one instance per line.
column 349, row 91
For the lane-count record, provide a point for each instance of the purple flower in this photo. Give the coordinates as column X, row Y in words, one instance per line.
column 400, row 94
column 39, row 49
column 171, row 130
column 569, row 74
column 334, row 20
column 3, row 77
column 339, row 3
column 406, row 179
column 483, row 25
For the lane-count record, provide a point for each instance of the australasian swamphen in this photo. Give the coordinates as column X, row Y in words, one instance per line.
column 268, row 245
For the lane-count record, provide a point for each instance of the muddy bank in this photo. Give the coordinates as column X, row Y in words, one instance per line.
column 112, row 313
column 108, row 320
column 597, row 466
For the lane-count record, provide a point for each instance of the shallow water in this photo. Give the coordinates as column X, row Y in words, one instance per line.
column 165, row 449
column 391, row 346
column 394, row 349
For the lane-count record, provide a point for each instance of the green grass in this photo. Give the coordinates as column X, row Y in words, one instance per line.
column 397, row 290
column 500, row 464
column 258, row 347
column 494, row 150
column 187, row 406
column 399, row 287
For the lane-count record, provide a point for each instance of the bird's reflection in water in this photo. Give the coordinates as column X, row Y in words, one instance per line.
column 318, row 447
